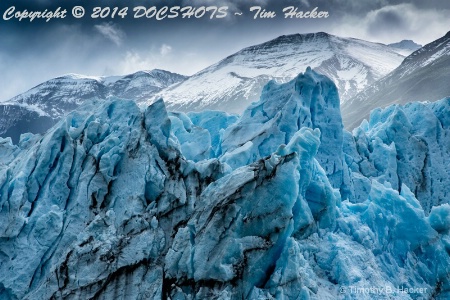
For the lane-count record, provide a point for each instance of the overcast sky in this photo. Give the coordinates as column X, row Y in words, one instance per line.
column 32, row 52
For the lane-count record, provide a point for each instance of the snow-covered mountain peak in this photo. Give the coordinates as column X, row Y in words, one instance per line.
column 75, row 88
column 74, row 76
column 108, row 80
column 294, row 38
column 423, row 75
column 405, row 47
column 56, row 97
column 426, row 55
column 237, row 80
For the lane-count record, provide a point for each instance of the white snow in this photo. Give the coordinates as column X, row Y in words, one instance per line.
column 245, row 72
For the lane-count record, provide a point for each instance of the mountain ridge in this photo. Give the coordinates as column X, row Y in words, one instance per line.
column 350, row 63
column 422, row 76
column 405, row 47
column 41, row 106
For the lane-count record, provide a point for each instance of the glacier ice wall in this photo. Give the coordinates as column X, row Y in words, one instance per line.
column 311, row 100
column 118, row 203
column 408, row 145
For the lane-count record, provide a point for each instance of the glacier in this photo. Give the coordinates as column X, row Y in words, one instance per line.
column 405, row 145
column 116, row 202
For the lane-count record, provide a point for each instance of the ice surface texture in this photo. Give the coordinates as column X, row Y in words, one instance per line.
column 281, row 203
column 406, row 145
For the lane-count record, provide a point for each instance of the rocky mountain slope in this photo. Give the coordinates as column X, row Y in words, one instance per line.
column 229, row 85
column 39, row 108
column 422, row 76
column 280, row 203
column 405, row 47
column 236, row 81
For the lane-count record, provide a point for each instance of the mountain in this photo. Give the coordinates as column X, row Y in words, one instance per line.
column 236, row 81
column 39, row 108
column 118, row 203
column 405, row 47
column 229, row 85
column 422, row 76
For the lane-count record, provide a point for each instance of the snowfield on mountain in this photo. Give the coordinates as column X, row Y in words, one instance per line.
column 422, row 76
column 42, row 106
column 235, row 82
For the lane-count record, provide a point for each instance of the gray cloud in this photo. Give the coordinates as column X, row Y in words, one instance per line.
column 165, row 49
column 386, row 19
column 111, row 31
column 396, row 22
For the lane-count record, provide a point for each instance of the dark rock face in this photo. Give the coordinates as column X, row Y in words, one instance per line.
column 16, row 120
